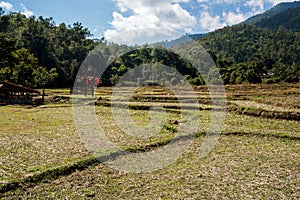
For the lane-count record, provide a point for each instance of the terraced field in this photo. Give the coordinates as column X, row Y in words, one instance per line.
column 256, row 157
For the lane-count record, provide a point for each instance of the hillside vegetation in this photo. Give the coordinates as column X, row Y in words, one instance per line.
column 35, row 51
column 278, row 9
column 250, row 54
column 288, row 19
column 30, row 46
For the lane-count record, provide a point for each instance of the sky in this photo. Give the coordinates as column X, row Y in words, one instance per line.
column 110, row 18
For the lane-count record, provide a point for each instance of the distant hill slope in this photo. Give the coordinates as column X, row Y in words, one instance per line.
column 289, row 19
column 182, row 39
column 280, row 8
column 253, row 54
column 258, row 50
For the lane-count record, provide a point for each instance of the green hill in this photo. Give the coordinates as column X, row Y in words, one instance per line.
column 252, row 54
column 264, row 48
column 280, row 8
column 288, row 19
column 243, row 53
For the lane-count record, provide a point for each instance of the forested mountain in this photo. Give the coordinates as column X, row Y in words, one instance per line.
column 265, row 48
column 251, row 54
column 289, row 19
column 280, row 8
column 34, row 51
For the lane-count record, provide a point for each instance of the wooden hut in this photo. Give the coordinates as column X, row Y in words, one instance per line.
column 11, row 93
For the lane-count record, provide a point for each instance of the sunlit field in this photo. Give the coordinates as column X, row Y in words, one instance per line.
column 256, row 157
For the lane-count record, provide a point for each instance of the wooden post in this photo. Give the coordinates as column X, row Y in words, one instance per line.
column 43, row 94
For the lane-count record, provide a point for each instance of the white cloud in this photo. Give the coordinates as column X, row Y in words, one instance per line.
column 6, row 5
column 218, row 1
column 142, row 36
column 203, row 1
column 258, row 6
column 232, row 18
column 26, row 12
column 275, row 2
column 155, row 14
column 210, row 23
column 211, row 20
column 162, row 15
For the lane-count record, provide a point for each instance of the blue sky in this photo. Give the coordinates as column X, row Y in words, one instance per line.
column 112, row 17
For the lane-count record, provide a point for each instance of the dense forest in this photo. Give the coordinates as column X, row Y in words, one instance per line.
column 34, row 49
column 36, row 52
column 284, row 7
column 288, row 19
column 250, row 54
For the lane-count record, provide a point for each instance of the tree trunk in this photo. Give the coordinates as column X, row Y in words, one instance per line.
column 43, row 94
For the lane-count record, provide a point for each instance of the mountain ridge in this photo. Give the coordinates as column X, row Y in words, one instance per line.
column 288, row 19
column 278, row 9
column 271, row 19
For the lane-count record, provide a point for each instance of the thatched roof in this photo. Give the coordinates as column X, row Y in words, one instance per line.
column 16, row 88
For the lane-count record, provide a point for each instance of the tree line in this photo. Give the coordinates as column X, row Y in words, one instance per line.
column 35, row 52
column 251, row 54
column 35, row 49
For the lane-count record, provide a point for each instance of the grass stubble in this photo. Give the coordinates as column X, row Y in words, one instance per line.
column 255, row 158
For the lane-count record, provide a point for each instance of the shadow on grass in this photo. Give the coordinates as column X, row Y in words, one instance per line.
column 54, row 173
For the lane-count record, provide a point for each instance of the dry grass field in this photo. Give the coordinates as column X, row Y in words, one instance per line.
column 256, row 157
